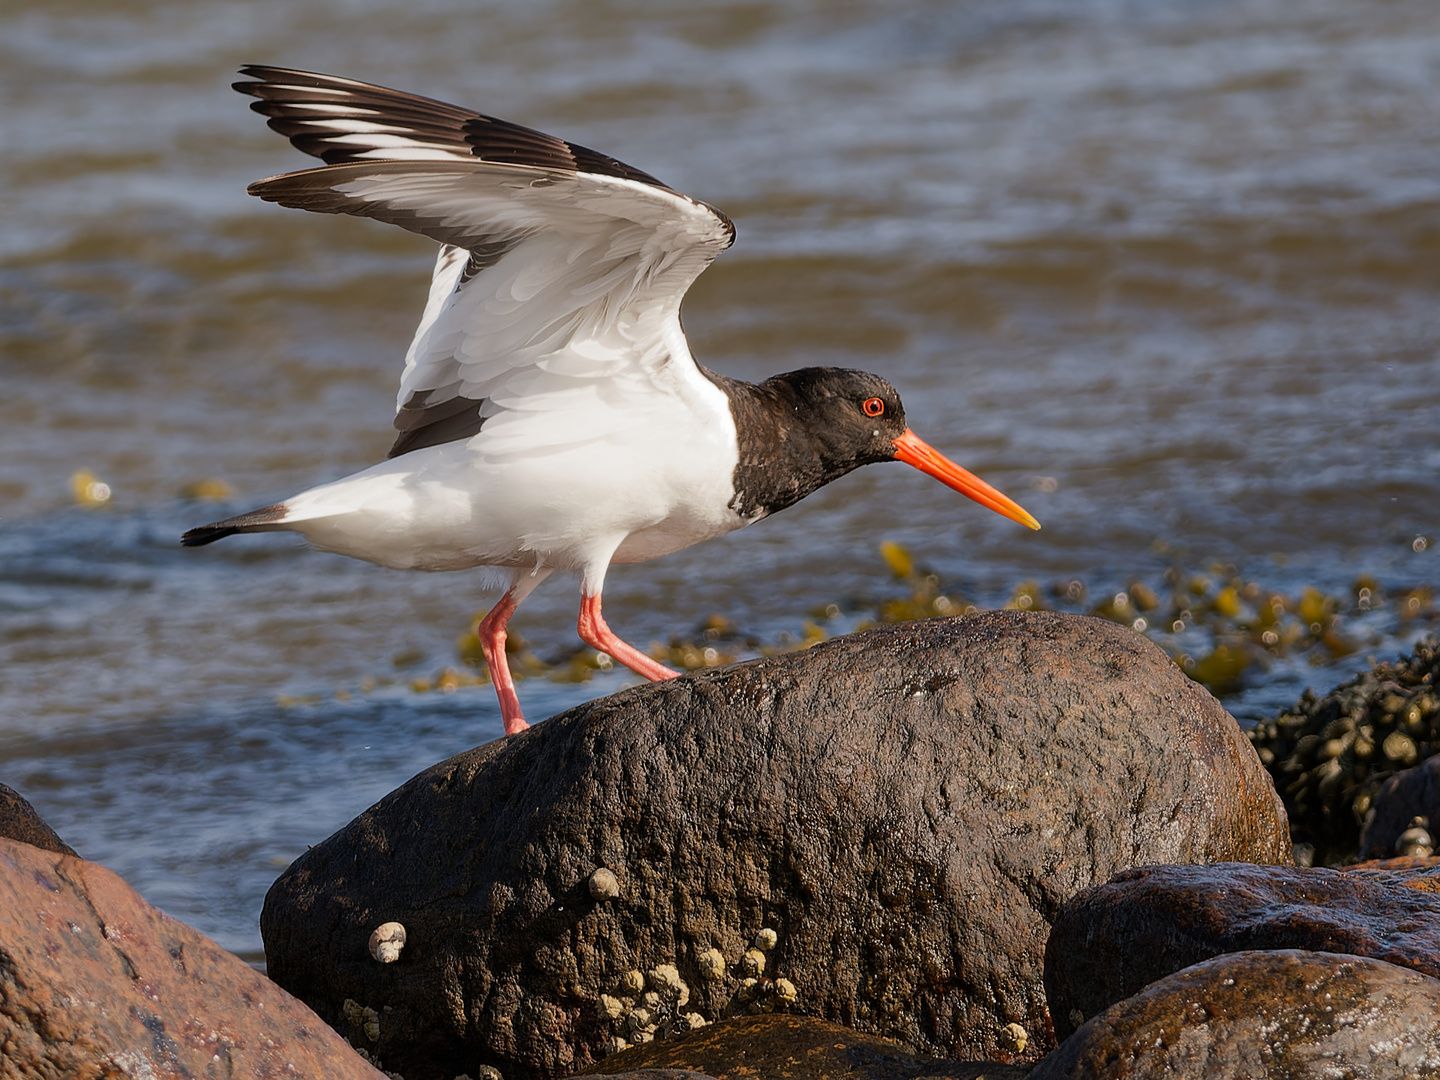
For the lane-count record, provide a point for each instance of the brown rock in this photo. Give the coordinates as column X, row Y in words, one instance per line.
column 94, row 982
column 797, row 1048
column 908, row 807
column 1412, row 871
column 19, row 821
column 1112, row 941
column 1290, row 1014
column 1408, row 794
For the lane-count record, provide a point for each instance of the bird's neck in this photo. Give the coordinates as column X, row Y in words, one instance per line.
column 782, row 458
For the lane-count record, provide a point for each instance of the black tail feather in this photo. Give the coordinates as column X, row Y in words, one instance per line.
column 207, row 534
column 255, row 519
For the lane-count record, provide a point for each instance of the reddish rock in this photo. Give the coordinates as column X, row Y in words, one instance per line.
column 1413, row 871
column 796, row 1048
column 908, row 808
column 94, row 982
column 1113, row 940
column 1296, row 1015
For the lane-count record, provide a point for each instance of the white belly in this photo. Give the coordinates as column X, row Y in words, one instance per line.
column 650, row 488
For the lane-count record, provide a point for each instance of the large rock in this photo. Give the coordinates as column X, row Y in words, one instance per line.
column 94, row 982
column 1113, row 940
column 908, row 807
column 796, row 1048
column 1285, row 1015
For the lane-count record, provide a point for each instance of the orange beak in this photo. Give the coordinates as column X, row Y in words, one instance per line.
column 913, row 450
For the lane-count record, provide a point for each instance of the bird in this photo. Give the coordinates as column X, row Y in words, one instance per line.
column 550, row 415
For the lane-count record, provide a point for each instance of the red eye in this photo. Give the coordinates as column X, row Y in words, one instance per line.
column 873, row 407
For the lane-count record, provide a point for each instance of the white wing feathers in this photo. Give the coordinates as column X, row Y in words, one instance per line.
column 557, row 290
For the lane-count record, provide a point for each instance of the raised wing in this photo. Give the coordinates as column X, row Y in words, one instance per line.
column 559, row 284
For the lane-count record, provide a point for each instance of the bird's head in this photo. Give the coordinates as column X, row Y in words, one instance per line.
column 854, row 418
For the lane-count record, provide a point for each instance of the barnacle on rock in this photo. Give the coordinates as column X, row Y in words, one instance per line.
column 604, row 885
column 765, row 940
column 639, row 1021
column 711, row 964
column 386, row 942
column 641, row 1014
column 363, row 1017
column 668, row 988
column 665, row 978
column 1013, row 1037
column 753, row 963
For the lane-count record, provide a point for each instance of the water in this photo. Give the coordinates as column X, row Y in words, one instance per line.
column 1165, row 272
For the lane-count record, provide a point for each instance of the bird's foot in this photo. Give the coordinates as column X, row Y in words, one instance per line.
column 509, row 700
column 491, row 632
column 515, row 724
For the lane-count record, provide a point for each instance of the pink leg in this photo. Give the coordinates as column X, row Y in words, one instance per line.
column 491, row 632
column 597, row 635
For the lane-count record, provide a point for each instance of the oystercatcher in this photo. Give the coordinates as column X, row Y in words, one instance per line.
column 550, row 414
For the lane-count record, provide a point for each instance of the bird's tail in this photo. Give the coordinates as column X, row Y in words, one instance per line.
column 262, row 520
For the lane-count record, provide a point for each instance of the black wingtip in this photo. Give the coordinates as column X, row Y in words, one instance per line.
column 259, row 76
column 254, row 76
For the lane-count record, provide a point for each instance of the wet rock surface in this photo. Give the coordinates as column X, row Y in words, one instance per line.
column 1412, row 871
column 1330, row 755
column 1112, row 941
column 1286, row 1013
column 907, row 808
column 1391, row 827
column 94, row 982
column 19, row 821
column 798, row 1048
